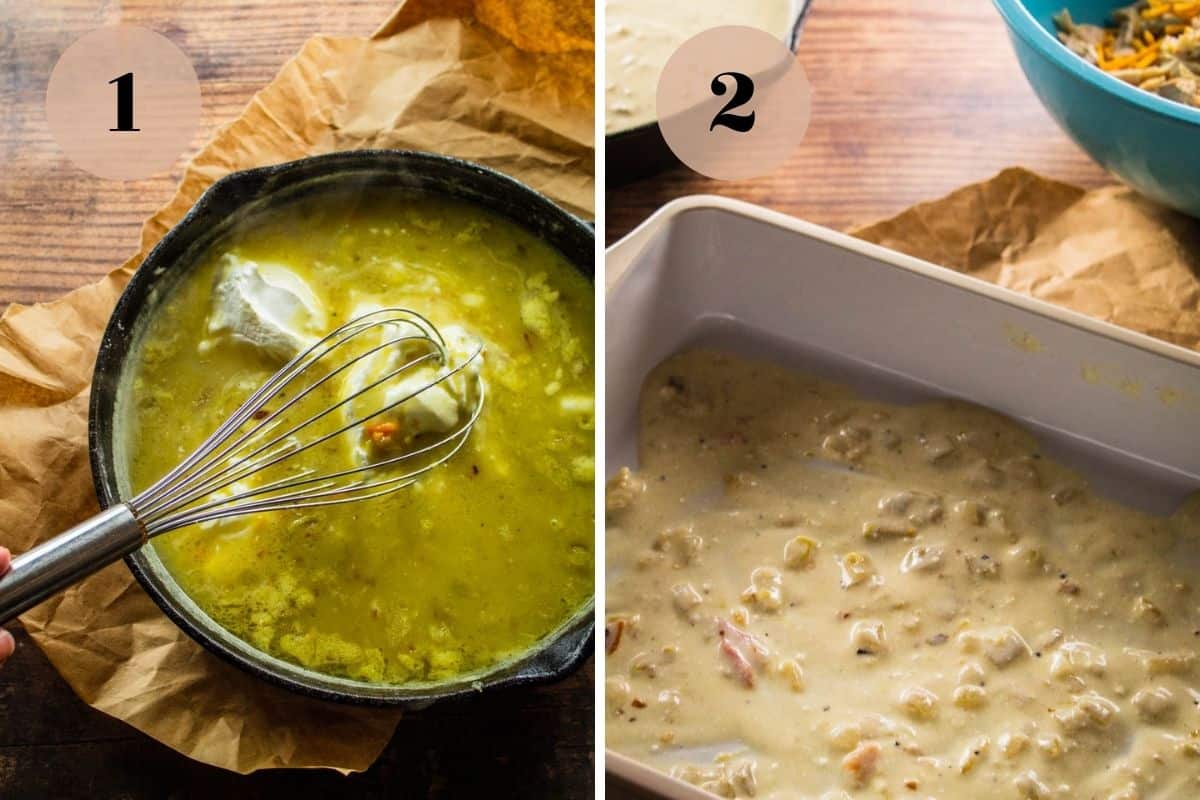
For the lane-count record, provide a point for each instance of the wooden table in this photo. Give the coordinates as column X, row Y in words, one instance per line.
column 61, row 228
column 911, row 99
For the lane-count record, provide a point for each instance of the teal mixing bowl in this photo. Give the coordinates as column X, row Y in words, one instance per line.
column 1151, row 143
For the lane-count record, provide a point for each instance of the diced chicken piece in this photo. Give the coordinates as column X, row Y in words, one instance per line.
column 922, row 558
column 973, row 754
column 861, row 762
column 1031, row 787
column 623, row 490
column 1155, row 663
column 1050, row 745
column 1048, row 638
column 971, row 675
column 743, row 780
column 1090, row 710
column 264, row 306
column 938, row 448
column 849, row 443
column 868, row 638
column 846, row 736
column 918, row 508
column 981, row 565
column 919, row 703
column 970, row 697
column 685, row 598
column 727, row 779
column 1013, row 744
column 1075, row 658
column 617, row 691
column 1005, row 646
column 1154, row 704
column 1000, row 645
column 682, row 542
column 538, row 310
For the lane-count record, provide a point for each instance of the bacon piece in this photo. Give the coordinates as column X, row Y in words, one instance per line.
column 742, row 666
column 613, row 629
column 742, row 639
column 860, row 763
column 739, row 647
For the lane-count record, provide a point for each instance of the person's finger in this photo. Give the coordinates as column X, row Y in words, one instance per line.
column 7, row 642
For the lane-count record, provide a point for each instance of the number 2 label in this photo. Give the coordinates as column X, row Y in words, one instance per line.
column 743, row 91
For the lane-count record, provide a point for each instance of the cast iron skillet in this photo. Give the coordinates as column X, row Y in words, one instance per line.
column 641, row 151
column 234, row 198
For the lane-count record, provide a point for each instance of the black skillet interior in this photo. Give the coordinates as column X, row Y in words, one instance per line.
column 232, row 199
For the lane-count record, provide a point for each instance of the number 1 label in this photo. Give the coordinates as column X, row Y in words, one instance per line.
column 124, row 102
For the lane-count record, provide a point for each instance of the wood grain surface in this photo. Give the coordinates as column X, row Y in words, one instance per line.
column 911, row 99
column 61, row 228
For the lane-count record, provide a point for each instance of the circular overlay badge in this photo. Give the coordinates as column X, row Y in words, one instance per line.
column 733, row 102
column 123, row 102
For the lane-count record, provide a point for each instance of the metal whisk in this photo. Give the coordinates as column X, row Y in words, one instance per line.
column 260, row 438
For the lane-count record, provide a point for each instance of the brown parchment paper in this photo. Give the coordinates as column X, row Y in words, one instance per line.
column 500, row 83
column 1109, row 253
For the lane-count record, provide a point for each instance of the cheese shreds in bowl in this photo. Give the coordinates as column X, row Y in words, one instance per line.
column 1151, row 44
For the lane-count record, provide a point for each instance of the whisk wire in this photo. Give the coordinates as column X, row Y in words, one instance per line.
column 243, row 465
column 189, row 493
column 304, row 479
column 204, row 456
column 314, row 497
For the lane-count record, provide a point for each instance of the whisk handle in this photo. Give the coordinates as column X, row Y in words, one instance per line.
column 67, row 558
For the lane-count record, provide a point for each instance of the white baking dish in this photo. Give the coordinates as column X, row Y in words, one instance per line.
column 1121, row 407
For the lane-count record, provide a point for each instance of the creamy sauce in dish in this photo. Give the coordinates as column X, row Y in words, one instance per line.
column 642, row 34
column 811, row 595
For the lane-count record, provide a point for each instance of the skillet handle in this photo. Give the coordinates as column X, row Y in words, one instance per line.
column 67, row 558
